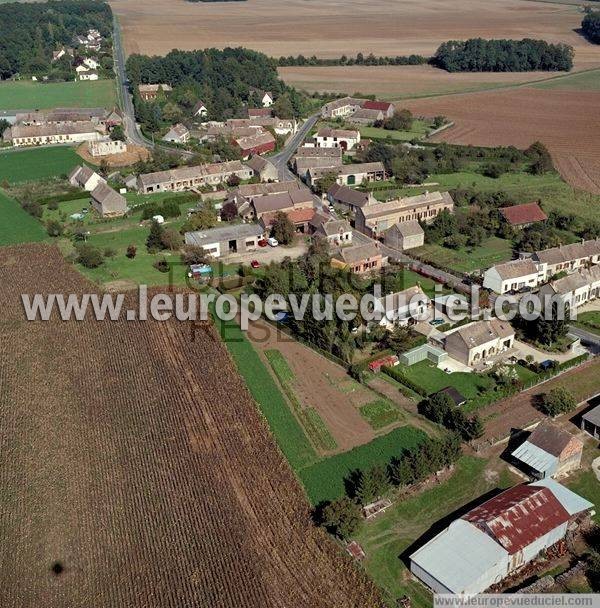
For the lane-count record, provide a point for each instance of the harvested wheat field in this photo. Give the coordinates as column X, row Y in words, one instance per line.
column 383, row 27
column 566, row 121
column 398, row 82
column 136, row 470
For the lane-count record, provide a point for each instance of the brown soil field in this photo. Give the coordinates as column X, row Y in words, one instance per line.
column 383, row 27
column 399, row 82
column 563, row 120
column 136, row 470
column 321, row 384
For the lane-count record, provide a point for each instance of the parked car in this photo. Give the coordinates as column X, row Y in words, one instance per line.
column 262, row 243
column 255, row 264
column 435, row 322
column 272, row 242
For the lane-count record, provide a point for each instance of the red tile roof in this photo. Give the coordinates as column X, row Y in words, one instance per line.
column 519, row 516
column 523, row 214
column 297, row 216
column 376, row 105
column 260, row 112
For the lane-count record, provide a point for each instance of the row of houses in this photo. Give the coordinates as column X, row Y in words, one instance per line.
column 532, row 270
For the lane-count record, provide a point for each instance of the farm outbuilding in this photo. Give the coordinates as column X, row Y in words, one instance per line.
column 499, row 537
column 420, row 353
column 590, row 422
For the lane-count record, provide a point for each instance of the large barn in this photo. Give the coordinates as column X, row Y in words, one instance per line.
column 497, row 538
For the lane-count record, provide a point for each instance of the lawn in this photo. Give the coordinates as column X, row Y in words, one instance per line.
column 324, row 480
column 32, row 164
column 433, row 379
column 16, row 225
column 589, row 321
column 492, row 250
column 404, row 279
column 392, row 536
column 380, row 413
column 586, row 484
column 419, row 129
column 29, row 95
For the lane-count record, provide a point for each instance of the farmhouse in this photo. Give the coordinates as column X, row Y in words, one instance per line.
column 349, row 175
column 105, row 147
column 341, row 107
column 388, row 109
column 349, row 198
column 300, row 217
column 359, row 258
column 337, row 232
column 480, row 342
column 549, row 451
column 97, row 116
column 186, row 178
column 83, row 177
column 263, row 169
column 87, row 75
column 402, row 307
column 177, row 134
column 374, row 220
column 567, row 258
column 521, row 216
column 258, row 143
column 45, row 134
column 297, row 198
column 149, row 92
column 511, row 276
column 107, row 202
column 499, row 537
column 227, row 240
column 366, row 117
column 575, row 289
column 337, row 138
column 404, row 235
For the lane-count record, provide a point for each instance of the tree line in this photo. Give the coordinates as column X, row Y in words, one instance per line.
column 29, row 32
column 360, row 59
column 479, row 55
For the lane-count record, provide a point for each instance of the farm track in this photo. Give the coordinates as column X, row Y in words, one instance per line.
column 136, row 458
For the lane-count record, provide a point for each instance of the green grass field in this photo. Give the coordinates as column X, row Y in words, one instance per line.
column 589, row 320
column 16, row 225
column 380, row 413
column 32, row 164
column 388, row 537
column 585, row 81
column 419, row 129
column 433, row 379
column 492, row 250
column 29, row 95
column 324, row 480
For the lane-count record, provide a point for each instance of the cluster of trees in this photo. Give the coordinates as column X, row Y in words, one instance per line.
column 312, row 274
column 342, row 517
column 479, row 55
column 440, row 408
column 558, row 401
column 227, row 81
column 548, row 329
column 30, row 32
column 590, row 26
column 360, row 59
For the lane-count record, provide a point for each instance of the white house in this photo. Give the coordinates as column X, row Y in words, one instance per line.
column 575, row 289
column 345, row 139
column 88, row 75
column 566, row 258
column 91, row 63
column 511, row 276
column 44, row 134
column 178, row 134
column 402, row 307
column 337, row 232
column 200, row 109
column 83, row 177
column 479, row 342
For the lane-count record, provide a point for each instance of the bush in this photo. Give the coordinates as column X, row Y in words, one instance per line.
column 54, row 228
column 131, row 252
column 558, row 401
column 193, row 254
column 342, row 517
column 33, row 208
column 161, row 265
column 88, row 256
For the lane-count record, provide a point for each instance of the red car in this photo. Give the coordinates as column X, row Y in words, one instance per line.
column 255, row 264
column 262, row 243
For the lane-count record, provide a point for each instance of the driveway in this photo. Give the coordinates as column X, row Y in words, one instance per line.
column 265, row 255
column 540, row 355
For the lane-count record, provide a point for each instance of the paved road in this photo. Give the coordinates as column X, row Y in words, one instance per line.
column 588, row 339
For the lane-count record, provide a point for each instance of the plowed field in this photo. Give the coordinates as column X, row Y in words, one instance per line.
column 136, row 471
